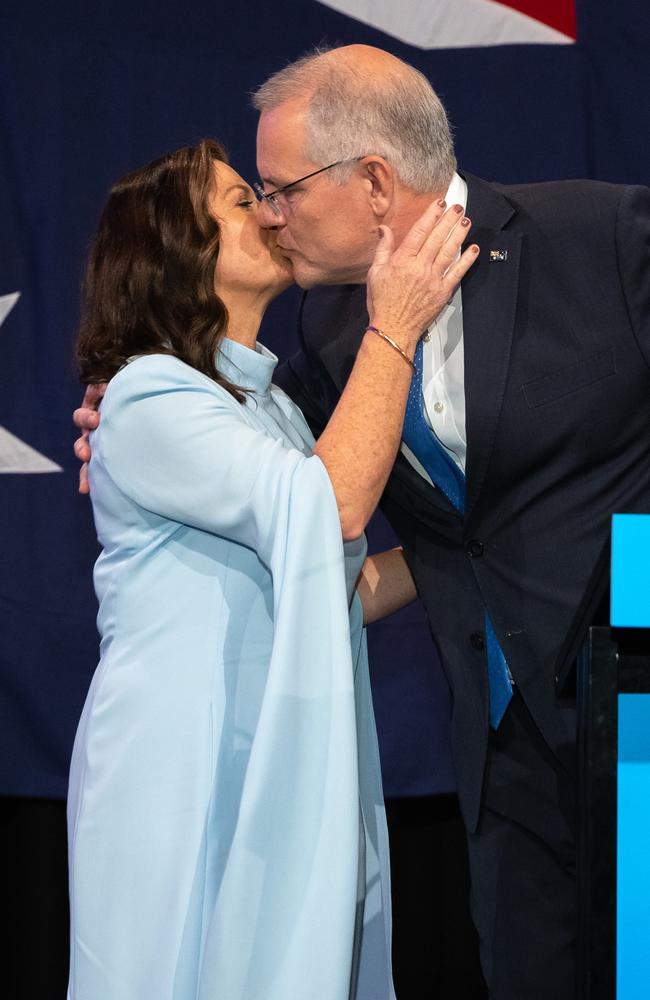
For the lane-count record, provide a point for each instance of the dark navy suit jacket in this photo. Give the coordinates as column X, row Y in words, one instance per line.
column 557, row 386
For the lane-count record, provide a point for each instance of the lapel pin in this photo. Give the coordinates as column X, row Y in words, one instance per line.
column 498, row 255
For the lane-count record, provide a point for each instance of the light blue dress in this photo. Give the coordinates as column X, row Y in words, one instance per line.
column 226, row 822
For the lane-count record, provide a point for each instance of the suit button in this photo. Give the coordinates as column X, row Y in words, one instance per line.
column 475, row 548
column 477, row 640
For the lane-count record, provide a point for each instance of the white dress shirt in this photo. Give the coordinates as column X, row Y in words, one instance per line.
column 443, row 375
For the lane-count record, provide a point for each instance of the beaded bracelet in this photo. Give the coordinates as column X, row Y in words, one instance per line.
column 392, row 343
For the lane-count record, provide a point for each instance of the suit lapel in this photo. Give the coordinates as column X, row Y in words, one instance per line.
column 489, row 308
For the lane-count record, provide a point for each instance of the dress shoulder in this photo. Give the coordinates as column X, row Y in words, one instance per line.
column 151, row 374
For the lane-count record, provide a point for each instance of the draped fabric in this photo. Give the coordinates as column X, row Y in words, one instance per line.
column 227, row 833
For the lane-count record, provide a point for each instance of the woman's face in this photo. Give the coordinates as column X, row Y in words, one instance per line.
column 248, row 260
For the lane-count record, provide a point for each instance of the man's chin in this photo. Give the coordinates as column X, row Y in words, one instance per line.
column 280, row 286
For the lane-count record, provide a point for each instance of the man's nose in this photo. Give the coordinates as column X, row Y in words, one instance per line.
column 267, row 218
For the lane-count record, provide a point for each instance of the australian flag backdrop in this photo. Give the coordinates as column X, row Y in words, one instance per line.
column 536, row 90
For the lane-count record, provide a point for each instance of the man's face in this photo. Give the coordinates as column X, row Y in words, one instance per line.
column 327, row 230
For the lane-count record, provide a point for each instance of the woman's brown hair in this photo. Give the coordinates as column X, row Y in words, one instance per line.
column 149, row 284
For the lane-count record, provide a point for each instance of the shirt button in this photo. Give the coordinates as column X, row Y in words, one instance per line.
column 438, row 407
column 475, row 548
column 477, row 640
column 426, row 337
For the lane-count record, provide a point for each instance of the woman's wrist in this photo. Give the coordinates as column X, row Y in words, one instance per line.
column 406, row 355
column 406, row 335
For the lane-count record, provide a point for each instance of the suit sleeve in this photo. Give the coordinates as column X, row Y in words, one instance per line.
column 633, row 249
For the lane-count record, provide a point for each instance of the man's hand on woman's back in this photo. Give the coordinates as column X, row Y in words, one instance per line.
column 86, row 418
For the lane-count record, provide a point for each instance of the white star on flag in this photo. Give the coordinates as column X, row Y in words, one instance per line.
column 15, row 455
column 7, row 302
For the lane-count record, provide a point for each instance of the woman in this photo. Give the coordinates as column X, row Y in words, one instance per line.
column 226, row 825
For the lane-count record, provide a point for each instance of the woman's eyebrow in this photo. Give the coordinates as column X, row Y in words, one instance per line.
column 239, row 186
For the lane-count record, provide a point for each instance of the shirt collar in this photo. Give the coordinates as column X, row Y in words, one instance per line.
column 250, row 369
column 457, row 191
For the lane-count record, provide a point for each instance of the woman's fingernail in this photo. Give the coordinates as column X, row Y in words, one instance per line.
column 441, row 203
column 464, row 222
column 458, row 208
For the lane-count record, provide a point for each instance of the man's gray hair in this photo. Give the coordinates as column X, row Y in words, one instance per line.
column 397, row 115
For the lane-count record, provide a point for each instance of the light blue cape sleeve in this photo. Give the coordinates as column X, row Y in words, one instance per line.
column 289, row 917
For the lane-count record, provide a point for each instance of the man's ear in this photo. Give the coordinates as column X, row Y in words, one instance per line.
column 380, row 180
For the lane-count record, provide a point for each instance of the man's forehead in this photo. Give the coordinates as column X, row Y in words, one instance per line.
column 280, row 141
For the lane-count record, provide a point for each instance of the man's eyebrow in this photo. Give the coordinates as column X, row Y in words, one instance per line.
column 276, row 181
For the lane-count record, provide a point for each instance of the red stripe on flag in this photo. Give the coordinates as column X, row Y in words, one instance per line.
column 558, row 14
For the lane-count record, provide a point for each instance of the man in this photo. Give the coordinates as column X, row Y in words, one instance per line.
column 535, row 385
column 528, row 426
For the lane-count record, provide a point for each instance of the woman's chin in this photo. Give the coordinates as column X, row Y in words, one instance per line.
column 283, row 282
column 285, row 276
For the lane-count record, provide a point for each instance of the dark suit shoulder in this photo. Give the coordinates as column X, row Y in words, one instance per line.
column 587, row 202
column 575, row 187
column 330, row 310
column 333, row 319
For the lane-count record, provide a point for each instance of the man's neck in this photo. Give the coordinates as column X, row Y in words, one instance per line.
column 407, row 208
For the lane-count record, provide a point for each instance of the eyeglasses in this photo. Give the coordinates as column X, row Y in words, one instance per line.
column 271, row 197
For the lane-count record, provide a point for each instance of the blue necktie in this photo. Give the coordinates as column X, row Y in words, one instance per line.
column 450, row 479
